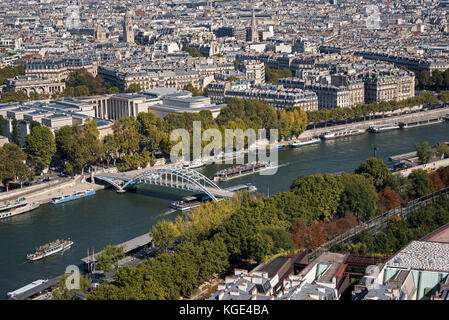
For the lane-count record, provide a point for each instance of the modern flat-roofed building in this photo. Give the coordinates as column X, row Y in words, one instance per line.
column 418, row 271
column 52, row 114
column 56, row 121
column 173, row 104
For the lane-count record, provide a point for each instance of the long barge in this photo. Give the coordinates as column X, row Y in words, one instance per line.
column 241, row 170
column 383, row 128
column 26, row 288
column 72, row 196
column 420, row 123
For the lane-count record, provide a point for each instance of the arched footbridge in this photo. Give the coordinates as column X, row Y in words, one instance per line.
column 172, row 177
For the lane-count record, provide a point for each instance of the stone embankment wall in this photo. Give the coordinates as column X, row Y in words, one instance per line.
column 17, row 193
column 406, row 118
column 428, row 166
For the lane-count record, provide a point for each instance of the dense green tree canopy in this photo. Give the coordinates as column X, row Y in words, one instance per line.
column 82, row 83
column 194, row 52
column 360, row 199
column 163, row 234
column 109, row 256
column 81, row 146
column 40, row 146
column 134, row 87
column 425, row 151
column 376, row 170
column 273, row 75
column 421, row 184
column 12, row 165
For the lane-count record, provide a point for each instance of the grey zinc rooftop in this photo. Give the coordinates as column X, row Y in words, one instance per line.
column 422, row 255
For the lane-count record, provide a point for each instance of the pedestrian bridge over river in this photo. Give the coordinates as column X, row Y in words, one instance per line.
column 172, row 177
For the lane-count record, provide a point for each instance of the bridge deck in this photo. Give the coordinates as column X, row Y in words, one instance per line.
column 165, row 183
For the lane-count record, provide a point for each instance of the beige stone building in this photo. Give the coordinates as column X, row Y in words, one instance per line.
column 255, row 71
column 386, row 86
column 59, row 70
column 35, row 84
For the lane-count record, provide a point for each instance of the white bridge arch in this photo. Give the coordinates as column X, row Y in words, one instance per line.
column 172, row 177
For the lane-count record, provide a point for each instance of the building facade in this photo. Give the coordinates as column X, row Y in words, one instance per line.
column 35, row 84
column 386, row 86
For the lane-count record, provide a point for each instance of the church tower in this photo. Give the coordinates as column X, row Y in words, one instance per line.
column 128, row 32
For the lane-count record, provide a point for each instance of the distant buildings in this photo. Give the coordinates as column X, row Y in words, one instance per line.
column 289, row 278
column 413, row 64
column 275, row 96
column 386, row 86
column 54, row 115
column 58, row 70
column 35, row 84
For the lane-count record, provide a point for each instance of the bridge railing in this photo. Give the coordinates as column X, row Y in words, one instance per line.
column 379, row 222
column 172, row 177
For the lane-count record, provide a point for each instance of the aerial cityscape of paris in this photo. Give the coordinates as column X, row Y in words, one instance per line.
column 216, row 151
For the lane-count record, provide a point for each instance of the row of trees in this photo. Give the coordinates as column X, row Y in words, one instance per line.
column 135, row 141
column 426, row 153
column 400, row 231
column 79, row 83
column 368, row 110
column 80, row 146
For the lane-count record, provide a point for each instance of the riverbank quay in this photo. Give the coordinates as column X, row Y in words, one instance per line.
column 45, row 193
column 418, row 116
column 131, row 246
column 16, row 193
column 429, row 167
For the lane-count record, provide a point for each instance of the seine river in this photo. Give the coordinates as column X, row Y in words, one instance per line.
column 112, row 218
